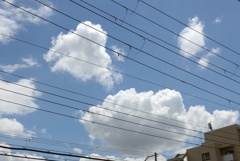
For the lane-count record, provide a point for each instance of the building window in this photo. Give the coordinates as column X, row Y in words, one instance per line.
column 205, row 156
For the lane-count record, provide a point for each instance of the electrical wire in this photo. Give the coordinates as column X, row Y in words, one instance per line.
column 90, row 104
column 157, row 58
column 154, row 42
column 21, row 148
column 58, row 143
column 131, row 76
column 182, row 23
column 124, row 120
column 102, row 124
column 129, row 130
column 165, row 28
column 25, row 157
column 138, row 62
column 50, row 152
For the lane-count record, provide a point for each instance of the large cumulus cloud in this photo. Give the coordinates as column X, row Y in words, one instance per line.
column 165, row 103
column 78, row 47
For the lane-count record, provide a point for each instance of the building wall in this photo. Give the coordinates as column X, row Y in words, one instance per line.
column 221, row 144
column 226, row 135
column 195, row 154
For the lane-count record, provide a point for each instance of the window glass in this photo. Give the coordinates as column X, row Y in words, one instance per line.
column 205, row 156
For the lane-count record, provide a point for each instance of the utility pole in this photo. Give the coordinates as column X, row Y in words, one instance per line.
column 155, row 157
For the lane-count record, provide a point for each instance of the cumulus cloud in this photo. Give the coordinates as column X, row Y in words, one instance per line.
column 14, row 109
column 13, row 128
column 166, row 103
column 12, row 20
column 80, row 48
column 193, row 36
column 27, row 63
column 204, row 61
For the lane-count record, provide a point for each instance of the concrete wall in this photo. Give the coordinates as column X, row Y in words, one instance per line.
column 219, row 143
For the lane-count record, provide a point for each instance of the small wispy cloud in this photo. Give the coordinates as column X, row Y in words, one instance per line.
column 218, row 20
column 204, row 61
column 12, row 21
column 27, row 63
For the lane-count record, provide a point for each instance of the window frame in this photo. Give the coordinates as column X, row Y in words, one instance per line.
column 206, row 156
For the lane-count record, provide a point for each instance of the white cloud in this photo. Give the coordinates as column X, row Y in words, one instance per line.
column 13, row 109
column 43, row 131
column 204, row 61
column 218, row 20
column 83, row 49
column 167, row 103
column 77, row 150
column 13, row 128
column 118, row 53
column 224, row 118
column 28, row 62
column 193, row 36
column 12, row 20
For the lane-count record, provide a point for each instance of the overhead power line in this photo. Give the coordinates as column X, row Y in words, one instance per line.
column 167, row 29
column 182, row 23
column 152, row 56
column 25, row 156
column 54, row 153
column 101, row 124
column 138, row 62
column 124, row 129
column 90, row 148
column 90, row 104
column 134, row 77
column 152, row 41
column 94, row 113
column 95, row 42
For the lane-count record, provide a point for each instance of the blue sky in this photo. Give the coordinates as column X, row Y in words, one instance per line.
column 123, row 72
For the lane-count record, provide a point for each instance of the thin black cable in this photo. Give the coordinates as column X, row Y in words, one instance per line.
column 87, row 103
column 138, row 62
column 129, row 130
column 25, row 156
column 69, row 144
column 165, row 28
column 32, row 158
column 77, row 93
column 154, row 42
column 101, row 107
column 54, row 153
column 47, row 151
column 158, row 57
column 102, row 124
column 182, row 23
column 127, row 121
